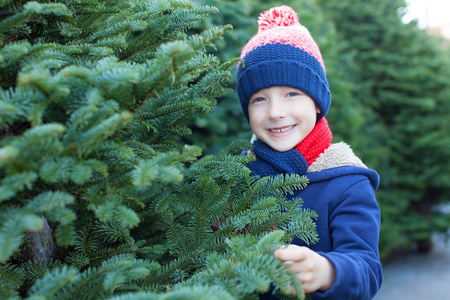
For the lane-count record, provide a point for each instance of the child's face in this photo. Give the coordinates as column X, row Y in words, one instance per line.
column 282, row 116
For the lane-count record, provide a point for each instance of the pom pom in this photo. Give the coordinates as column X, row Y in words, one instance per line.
column 277, row 16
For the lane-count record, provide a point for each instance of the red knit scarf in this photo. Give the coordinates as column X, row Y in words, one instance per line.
column 316, row 142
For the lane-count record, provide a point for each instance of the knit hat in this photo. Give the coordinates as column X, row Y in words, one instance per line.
column 282, row 53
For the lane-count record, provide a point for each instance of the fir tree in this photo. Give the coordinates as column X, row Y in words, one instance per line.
column 98, row 198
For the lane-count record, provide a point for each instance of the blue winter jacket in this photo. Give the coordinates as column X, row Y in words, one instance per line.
column 341, row 191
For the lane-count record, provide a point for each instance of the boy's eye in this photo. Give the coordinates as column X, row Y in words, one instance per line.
column 258, row 99
column 293, row 94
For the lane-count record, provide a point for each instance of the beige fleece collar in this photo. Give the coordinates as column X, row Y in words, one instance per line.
column 337, row 155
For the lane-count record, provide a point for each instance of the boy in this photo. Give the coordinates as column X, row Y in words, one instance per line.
column 284, row 95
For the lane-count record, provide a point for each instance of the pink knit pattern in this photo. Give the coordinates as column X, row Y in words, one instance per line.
column 280, row 25
column 277, row 16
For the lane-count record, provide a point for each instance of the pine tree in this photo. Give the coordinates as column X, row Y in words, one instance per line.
column 98, row 197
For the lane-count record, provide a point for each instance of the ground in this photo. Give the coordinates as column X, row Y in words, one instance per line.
column 418, row 275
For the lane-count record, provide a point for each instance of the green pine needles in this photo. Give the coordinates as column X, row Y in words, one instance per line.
column 99, row 199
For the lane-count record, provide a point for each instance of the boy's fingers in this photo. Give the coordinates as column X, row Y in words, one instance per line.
column 291, row 252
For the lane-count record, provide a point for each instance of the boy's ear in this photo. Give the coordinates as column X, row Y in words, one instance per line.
column 317, row 109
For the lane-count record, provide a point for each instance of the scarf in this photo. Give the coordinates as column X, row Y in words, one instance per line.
column 270, row 162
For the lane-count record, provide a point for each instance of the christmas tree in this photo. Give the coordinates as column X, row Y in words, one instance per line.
column 98, row 196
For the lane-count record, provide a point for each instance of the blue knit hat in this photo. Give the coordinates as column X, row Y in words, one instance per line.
column 282, row 53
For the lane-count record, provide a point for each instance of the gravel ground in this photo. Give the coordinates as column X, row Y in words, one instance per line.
column 418, row 275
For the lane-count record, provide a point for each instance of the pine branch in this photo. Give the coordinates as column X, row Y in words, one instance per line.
column 31, row 9
column 285, row 184
column 54, row 281
column 12, row 279
column 36, row 269
column 244, row 275
column 111, row 231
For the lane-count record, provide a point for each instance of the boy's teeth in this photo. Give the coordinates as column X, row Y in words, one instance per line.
column 282, row 129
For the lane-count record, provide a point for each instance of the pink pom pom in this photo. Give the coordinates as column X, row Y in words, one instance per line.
column 277, row 16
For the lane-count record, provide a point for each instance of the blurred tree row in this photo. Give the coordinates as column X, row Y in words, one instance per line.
column 390, row 102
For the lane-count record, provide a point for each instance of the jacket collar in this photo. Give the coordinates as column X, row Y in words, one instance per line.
column 337, row 155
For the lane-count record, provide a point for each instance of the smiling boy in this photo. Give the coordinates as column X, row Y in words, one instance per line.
column 284, row 94
column 282, row 116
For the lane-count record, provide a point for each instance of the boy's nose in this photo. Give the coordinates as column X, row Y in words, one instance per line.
column 277, row 110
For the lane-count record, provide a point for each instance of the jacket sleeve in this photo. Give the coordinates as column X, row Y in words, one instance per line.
column 354, row 232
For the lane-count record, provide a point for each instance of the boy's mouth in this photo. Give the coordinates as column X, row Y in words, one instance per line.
column 282, row 129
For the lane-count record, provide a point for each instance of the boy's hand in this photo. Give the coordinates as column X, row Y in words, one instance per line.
column 315, row 272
